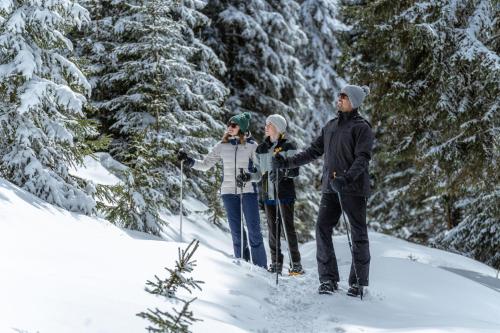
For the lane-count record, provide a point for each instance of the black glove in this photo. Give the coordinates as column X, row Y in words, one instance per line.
column 182, row 156
column 279, row 162
column 242, row 178
column 338, row 183
column 272, row 175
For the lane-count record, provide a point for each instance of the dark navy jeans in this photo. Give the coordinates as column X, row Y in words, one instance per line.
column 252, row 220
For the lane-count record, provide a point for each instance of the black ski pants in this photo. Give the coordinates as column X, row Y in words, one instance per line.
column 287, row 210
column 328, row 217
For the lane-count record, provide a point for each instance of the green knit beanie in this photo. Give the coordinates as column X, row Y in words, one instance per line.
column 243, row 120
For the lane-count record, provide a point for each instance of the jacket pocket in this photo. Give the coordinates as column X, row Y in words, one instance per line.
column 355, row 187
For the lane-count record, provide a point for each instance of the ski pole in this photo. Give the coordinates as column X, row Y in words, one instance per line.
column 182, row 184
column 347, row 225
column 282, row 220
column 279, row 212
column 242, row 227
column 277, row 236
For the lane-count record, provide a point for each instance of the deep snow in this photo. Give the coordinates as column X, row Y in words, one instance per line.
column 64, row 272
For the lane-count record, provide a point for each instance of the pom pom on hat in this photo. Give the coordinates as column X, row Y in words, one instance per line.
column 356, row 94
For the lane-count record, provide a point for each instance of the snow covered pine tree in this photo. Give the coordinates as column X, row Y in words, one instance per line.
column 41, row 97
column 320, row 60
column 154, row 93
column 436, row 119
column 179, row 321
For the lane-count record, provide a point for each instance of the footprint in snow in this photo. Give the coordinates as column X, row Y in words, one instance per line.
column 268, row 300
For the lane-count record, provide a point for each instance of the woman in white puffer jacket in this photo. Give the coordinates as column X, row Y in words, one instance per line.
column 237, row 153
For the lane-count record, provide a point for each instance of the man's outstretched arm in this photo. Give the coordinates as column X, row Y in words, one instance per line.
column 314, row 151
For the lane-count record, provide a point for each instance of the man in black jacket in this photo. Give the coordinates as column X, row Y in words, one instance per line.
column 346, row 142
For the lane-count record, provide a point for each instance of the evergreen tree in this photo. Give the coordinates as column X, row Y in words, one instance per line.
column 257, row 40
column 319, row 19
column 434, row 69
column 320, row 59
column 154, row 93
column 216, row 213
column 467, row 149
column 42, row 95
column 178, row 321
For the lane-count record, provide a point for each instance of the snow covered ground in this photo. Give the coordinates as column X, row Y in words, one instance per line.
column 64, row 272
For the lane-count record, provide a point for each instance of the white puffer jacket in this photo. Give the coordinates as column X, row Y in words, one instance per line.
column 234, row 157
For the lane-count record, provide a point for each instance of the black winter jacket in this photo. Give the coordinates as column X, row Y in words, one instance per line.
column 346, row 141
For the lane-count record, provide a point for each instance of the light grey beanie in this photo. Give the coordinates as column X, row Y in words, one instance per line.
column 356, row 94
column 278, row 121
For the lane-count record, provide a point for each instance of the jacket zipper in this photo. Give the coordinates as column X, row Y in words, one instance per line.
column 235, row 174
column 332, row 144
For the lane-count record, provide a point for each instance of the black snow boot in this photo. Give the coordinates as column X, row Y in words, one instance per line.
column 275, row 267
column 355, row 291
column 328, row 287
column 296, row 269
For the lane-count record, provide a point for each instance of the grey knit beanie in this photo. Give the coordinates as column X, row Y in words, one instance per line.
column 356, row 94
column 278, row 121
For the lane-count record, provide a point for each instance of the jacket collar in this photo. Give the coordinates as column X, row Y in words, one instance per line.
column 277, row 146
column 280, row 141
column 235, row 140
column 346, row 116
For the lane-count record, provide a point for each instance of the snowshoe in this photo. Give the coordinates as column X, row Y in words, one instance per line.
column 327, row 287
column 296, row 269
column 355, row 291
column 275, row 267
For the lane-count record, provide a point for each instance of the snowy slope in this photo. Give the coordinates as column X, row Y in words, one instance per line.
column 63, row 272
